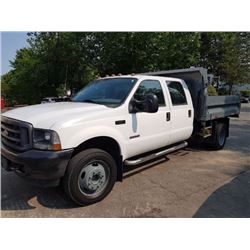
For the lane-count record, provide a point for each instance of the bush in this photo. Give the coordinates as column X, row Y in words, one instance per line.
column 212, row 90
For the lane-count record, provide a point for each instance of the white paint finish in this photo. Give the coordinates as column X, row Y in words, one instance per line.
column 46, row 115
column 78, row 122
column 153, row 131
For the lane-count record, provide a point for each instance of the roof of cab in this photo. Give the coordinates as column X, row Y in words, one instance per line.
column 141, row 76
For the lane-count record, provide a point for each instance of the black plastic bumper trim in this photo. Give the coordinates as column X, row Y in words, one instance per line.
column 37, row 164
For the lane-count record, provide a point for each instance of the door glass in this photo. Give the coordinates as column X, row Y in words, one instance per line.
column 177, row 93
column 150, row 87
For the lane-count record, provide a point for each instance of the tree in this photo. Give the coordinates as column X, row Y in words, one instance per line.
column 244, row 54
column 226, row 55
column 56, row 61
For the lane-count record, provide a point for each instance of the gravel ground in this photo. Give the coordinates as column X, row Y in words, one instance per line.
column 194, row 182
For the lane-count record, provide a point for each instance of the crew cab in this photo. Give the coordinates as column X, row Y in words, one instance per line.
column 112, row 122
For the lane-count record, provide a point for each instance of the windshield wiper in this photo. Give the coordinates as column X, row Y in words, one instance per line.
column 91, row 101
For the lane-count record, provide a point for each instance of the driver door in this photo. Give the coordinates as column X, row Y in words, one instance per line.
column 148, row 131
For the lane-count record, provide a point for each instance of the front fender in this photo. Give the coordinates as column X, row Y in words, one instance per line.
column 72, row 139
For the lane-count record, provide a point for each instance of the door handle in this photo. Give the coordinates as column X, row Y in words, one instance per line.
column 168, row 116
column 189, row 113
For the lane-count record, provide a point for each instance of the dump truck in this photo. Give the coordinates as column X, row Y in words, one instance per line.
column 113, row 122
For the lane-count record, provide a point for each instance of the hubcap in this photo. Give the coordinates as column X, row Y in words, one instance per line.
column 93, row 178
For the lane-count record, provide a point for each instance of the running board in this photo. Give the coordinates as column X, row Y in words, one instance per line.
column 155, row 155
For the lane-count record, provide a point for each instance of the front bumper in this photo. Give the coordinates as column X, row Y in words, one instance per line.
column 45, row 168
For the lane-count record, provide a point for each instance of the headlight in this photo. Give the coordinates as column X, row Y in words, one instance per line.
column 46, row 139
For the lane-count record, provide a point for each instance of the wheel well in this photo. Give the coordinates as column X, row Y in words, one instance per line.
column 107, row 144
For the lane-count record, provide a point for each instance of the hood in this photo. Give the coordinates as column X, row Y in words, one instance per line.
column 46, row 115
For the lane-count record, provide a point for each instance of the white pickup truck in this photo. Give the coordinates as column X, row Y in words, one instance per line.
column 112, row 122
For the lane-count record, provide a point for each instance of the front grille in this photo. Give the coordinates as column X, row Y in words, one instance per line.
column 16, row 134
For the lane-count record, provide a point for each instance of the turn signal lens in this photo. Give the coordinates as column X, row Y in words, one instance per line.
column 57, row 147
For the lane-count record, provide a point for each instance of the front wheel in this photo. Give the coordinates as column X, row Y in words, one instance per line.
column 90, row 176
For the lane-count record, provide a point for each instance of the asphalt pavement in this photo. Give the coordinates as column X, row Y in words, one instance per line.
column 193, row 182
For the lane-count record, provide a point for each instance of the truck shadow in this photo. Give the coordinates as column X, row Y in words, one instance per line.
column 229, row 201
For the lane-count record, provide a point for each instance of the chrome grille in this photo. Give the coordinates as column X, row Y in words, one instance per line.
column 16, row 134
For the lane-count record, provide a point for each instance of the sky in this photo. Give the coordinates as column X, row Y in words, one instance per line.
column 10, row 43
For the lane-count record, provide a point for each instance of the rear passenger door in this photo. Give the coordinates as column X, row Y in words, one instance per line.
column 181, row 116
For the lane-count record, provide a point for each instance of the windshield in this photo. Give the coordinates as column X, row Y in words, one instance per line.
column 111, row 91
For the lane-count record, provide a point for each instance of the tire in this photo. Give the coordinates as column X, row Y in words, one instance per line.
column 219, row 136
column 90, row 176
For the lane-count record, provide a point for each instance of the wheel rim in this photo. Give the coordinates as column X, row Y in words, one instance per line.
column 93, row 178
column 222, row 136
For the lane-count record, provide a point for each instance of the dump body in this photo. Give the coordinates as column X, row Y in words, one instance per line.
column 205, row 107
column 220, row 106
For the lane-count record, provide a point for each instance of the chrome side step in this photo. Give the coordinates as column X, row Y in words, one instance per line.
column 154, row 155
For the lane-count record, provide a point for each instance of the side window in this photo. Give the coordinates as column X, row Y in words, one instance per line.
column 150, row 87
column 177, row 93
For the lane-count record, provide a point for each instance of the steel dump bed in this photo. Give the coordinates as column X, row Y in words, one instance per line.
column 205, row 107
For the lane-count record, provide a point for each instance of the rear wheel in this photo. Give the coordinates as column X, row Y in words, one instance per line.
column 219, row 136
column 90, row 176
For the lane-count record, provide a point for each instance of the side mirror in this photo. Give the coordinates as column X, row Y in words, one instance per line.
column 149, row 104
column 152, row 104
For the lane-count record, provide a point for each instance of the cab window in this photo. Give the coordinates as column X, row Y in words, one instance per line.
column 150, row 87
